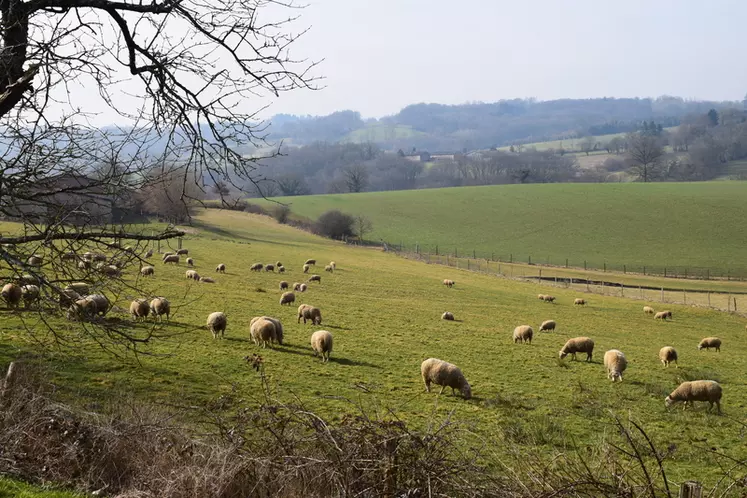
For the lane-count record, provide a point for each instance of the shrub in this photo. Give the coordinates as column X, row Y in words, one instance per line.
column 335, row 225
column 281, row 213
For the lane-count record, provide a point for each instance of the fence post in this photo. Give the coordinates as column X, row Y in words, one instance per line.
column 644, row 270
column 540, row 277
column 473, row 254
column 584, row 264
column 511, row 258
column 605, row 266
column 662, row 294
column 709, row 299
column 436, row 249
column 622, row 290
column 625, row 269
column 456, row 254
column 728, row 275
column 708, row 273
column 530, row 260
column 728, row 303
column 665, row 272
column 468, row 263
column 735, row 304
column 684, row 297
column 492, row 257
column 691, row 489
column 566, row 262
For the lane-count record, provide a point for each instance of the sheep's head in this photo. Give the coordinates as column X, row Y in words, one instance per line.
column 668, row 401
column 466, row 390
column 562, row 354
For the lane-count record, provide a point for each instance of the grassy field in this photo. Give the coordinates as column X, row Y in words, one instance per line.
column 384, row 313
column 10, row 488
column 653, row 225
column 382, row 133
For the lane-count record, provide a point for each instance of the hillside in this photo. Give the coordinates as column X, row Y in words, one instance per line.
column 384, row 312
column 673, row 225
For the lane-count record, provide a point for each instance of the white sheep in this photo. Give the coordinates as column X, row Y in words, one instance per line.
column 696, row 390
column 710, row 342
column 160, row 306
column 577, row 345
column 256, row 267
column 190, row 262
column 328, row 268
column 283, row 285
column 548, row 299
column 523, row 333
column 221, row 268
column 30, row 294
column 171, row 258
column 661, row 315
column 149, row 254
column 94, row 304
column 302, row 288
column 667, row 355
column 296, row 286
column 448, row 283
column 306, row 268
column 265, row 330
column 311, row 262
column 287, row 298
column 315, row 278
column 35, row 260
column 216, row 323
column 84, row 265
column 147, row 271
column 12, row 294
column 648, row 310
column 278, row 264
column 321, row 343
column 333, row 265
column 615, row 363
column 444, row 374
column 579, row 301
column 139, row 309
column 281, row 269
column 183, row 252
column 192, row 275
column 308, row 312
column 547, row 325
column 448, row 315
column 541, row 297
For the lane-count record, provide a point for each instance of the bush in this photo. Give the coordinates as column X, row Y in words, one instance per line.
column 335, row 225
column 281, row 213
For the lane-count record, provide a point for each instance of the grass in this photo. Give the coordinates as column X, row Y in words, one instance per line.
column 382, row 133
column 634, row 224
column 384, row 312
column 11, row 488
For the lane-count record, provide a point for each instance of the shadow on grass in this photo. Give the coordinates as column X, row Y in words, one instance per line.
column 347, row 362
column 222, row 232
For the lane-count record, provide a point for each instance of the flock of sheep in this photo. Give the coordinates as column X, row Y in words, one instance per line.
column 439, row 372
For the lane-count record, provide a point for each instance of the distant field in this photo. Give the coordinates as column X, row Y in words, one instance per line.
column 634, row 224
column 381, row 133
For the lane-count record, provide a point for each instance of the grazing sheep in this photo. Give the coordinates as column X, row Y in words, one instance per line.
column 192, row 274
column 35, row 260
column 12, row 294
column 577, row 345
column 311, row 262
column 667, row 355
column 296, row 286
column 278, row 264
column 523, row 333
column 83, row 308
column 101, row 303
column 99, row 257
column 167, row 254
column 321, row 343
column 67, row 298
column 216, row 323
column 662, row 315
column 29, row 279
column 615, row 363
column 149, row 254
column 88, row 256
column 541, row 297
column 315, row 278
column 447, row 316
column 69, row 256
column 207, row 280
column 648, row 310
column 160, row 306
column 30, row 294
column 287, row 298
column 171, row 258
column 668, row 313
column 309, row 313
column 547, row 326
column 696, row 390
column 548, row 299
column 81, row 288
column 710, row 342
column 84, row 265
column 448, row 283
column 221, row 268
column 139, row 309
column 444, row 374
column 256, row 267
column 110, row 271
column 190, row 262
column 281, row 269
column 264, row 330
column 333, row 265
column 579, row 301
column 183, row 252
column 270, row 268
column 283, row 285
column 147, row 271
column 328, row 268
column 302, row 288
column 306, row 268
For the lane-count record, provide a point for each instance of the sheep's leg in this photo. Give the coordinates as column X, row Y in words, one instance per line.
column 427, row 385
column 718, row 407
column 442, row 390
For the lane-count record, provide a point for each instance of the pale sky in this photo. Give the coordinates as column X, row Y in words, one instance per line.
column 381, row 55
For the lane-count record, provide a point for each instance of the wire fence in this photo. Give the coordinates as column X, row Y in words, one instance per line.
column 668, row 271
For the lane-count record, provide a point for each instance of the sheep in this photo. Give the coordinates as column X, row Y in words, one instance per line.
column 315, row 278
column 283, row 285
column 30, row 293
column 541, row 297
column 333, row 265
column 287, row 298
column 444, row 374
column 278, row 264
column 67, row 298
column 696, row 390
column 35, row 260
column 662, row 315
column 82, row 308
column 147, row 271
column 321, row 343
column 207, row 280
column 302, row 288
column 447, row 316
column 69, row 256
column 296, row 286
column 81, row 288
column 448, row 283
column 216, row 323
column 579, row 301
column 192, row 274
column 615, row 363
column 648, row 310
column 281, row 269
column 668, row 313
column 29, row 279
column 12, row 294
column 84, row 265
column 523, row 333
column 710, row 342
column 311, row 262
column 149, row 254
column 88, row 256
column 577, row 345
column 309, row 313
column 160, row 306
column 270, row 268
column 264, row 330
column 99, row 257
column 306, row 268
column 221, row 268
column 110, row 271
column 101, row 303
column 139, row 309
column 547, row 326
column 183, row 252
column 328, row 268
column 548, row 299
column 171, row 258
column 190, row 262
column 256, row 267
column 667, row 355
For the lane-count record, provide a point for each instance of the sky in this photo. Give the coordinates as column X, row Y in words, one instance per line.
column 378, row 56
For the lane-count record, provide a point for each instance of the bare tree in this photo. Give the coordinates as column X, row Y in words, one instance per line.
column 588, row 144
column 362, row 226
column 178, row 73
column 356, row 178
column 292, row 184
column 646, row 152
